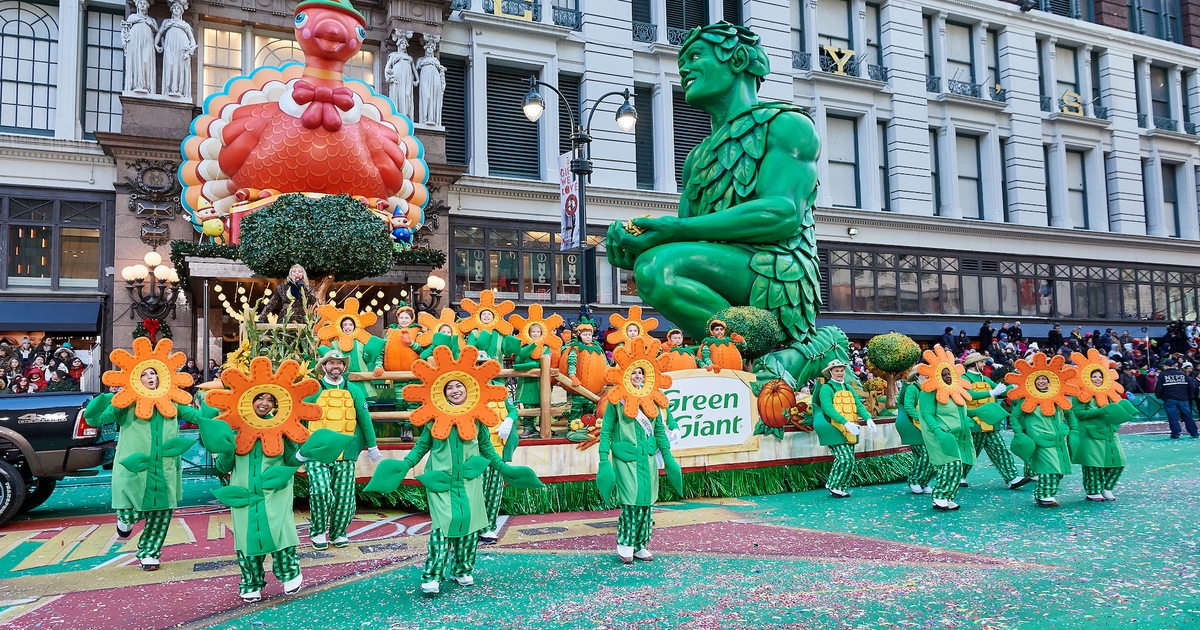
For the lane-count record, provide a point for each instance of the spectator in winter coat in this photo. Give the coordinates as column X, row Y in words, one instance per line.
column 1056, row 338
column 1128, row 379
column 962, row 343
column 1015, row 334
column 986, row 334
column 948, row 339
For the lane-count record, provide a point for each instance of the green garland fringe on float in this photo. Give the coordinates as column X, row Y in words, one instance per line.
column 579, row 496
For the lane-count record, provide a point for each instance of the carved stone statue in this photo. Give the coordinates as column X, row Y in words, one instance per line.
column 431, row 77
column 401, row 75
column 138, row 34
column 177, row 44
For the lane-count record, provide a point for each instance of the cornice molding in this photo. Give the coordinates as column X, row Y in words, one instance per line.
column 52, row 149
column 542, row 29
column 545, row 191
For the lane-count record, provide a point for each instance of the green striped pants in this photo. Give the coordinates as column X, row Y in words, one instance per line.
column 1047, row 486
column 330, row 497
column 442, row 549
column 493, row 492
column 945, row 480
column 580, row 407
column 921, row 471
column 150, row 543
column 285, row 564
column 634, row 526
column 843, row 467
column 997, row 451
column 1097, row 479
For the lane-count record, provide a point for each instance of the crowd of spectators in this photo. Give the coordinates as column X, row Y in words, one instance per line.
column 26, row 368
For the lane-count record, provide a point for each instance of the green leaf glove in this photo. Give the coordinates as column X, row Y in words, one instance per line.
column 606, row 480
column 278, row 477
column 475, row 466
column 235, row 496
column 389, row 474
column 1022, row 446
column 626, row 452
column 992, row 413
column 436, row 481
column 177, row 446
column 520, row 476
column 512, row 346
column 138, row 462
column 217, row 436
column 96, row 406
column 1073, row 445
column 1116, row 415
column 1129, row 408
column 948, row 443
column 325, row 445
column 674, row 474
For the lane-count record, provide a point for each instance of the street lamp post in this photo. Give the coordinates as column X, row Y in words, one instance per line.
column 150, row 301
column 581, row 158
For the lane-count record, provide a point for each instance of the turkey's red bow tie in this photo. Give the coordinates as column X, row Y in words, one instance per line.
column 325, row 104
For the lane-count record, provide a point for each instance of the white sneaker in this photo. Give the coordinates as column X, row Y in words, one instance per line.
column 643, row 554
column 293, row 585
column 124, row 530
column 431, row 588
column 1095, row 497
column 927, row 490
column 941, row 504
column 251, row 597
column 953, row 505
column 838, row 494
column 1109, row 496
column 320, row 541
column 916, row 488
column 488, row 538
column 626, row 553
column 149, row 564
column 341, row 541
column 463, row 580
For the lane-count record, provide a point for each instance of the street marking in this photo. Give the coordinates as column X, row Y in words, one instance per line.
column 540, row 532
column 112, row 561
column 25, row 607
column 217, row 524
column 14, row 540
column 97, row 543
column 54, row 550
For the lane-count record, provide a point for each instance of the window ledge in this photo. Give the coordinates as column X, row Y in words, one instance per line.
column 971, row 101
column 1084, row 121
column 840, row 79
column 1171, row 135
column 13, row 145
column 514, row 24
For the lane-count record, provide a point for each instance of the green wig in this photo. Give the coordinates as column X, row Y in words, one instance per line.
column 727, row 38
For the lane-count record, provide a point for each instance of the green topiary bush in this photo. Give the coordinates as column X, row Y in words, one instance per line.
column 759, row 327
column 889, row 357
column 331, row 235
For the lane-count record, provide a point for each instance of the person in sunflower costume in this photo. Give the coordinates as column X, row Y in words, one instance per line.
column 679, row 356
column 586, row 365
column 836, row 418
column 718, row 352
column 1098, row 411
column 985, row 436
column 400, row 350
column 147, row 481
column 536, row 336
column 331, row 485
column 634, row 429
column 945, row 427
column 486, row 328
column 439, row 331
column 504, row 441
column 908, row 425
column 346, row 329
column 1041, row 422
column 257, row 437
column 454, row 396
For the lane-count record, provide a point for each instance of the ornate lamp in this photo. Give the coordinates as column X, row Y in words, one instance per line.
column 153, row 288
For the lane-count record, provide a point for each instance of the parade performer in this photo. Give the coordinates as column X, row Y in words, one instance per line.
column 292, row 300
column 1040, row 424
column 836, row 417
column 986, row 436
column 718, row 352
column 679, row 357
column 454, row 394
column 486, row 327
column 586, row 366
column 346, row 329
column 256, row 438
column 504, row 441
column 908, row 425
column 944, row 424
column 1099, row 410
column 536, row 335
column 331, row 485
column 633, row 430
column 631, row 327
column 399, row 351
column 439, row 331
column 147, row 481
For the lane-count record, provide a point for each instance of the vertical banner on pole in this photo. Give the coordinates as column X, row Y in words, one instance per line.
column 568, row 203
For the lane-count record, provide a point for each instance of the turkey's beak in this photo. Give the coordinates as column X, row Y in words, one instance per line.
column 331, row 36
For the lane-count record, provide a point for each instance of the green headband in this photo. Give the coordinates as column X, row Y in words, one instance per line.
column 726, row 38
column 344, row 5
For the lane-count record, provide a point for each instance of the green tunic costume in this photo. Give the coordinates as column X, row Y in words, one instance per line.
column 908, row 420
column 987, row 437
column 947, row 434
column 1042, row 444
column 331, row 485
column 838, row 405
column 1094, row 444
column 580, row 406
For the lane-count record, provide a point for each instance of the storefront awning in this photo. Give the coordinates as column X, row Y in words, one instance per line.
column 50, row 316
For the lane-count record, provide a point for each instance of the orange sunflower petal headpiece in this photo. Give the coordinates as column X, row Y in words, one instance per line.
column 640, row 352
column 1025, row 375
column 436, row 404
column 289, row 388
column 487, row 308
column 431, row 325
column 936, row 362
column 1108, row 391
column 128, row 376
column 547, row 325
column 329, row 327
column 622, row 324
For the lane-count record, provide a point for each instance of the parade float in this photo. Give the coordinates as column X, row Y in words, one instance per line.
column 736, row 269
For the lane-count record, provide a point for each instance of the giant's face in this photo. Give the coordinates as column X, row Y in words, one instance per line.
column 705, row 79
column 328, row 33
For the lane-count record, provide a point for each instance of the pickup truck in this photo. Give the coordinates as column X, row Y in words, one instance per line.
column 43, row 438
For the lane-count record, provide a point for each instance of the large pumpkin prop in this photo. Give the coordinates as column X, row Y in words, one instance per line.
column 589, row 369
column 398, row 354
column 778, row 408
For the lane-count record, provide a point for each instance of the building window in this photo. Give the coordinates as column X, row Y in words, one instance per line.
column 960, row 54
column 643, row 135
column 1077, row 207
column 798, row 25
column 691, row 126
column 1005, row 151
column 454, row 110
column 684, row 15
column 970, row 186
column 223, row 58
column 933, row 172
column 833, row 27
column 513, row 141
column 1170, row 206
column 28, row 66
column 103, row 73
column 885, row 201
column 927, row 25
column 874, row 31
column 1065, row 73
column 524, row 263
column 568, row 84
column 1155, row 18
column 1160, row 93
column 52, row 243
column 843, row 161
column 992, row 52
column 732, row 10
column 1097, row 104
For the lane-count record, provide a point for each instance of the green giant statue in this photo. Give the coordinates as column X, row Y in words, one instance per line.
column 745, row 234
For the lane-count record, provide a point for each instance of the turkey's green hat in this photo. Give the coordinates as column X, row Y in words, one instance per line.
column 344, row 5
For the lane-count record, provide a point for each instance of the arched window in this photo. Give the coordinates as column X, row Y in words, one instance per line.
column 28, row 66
